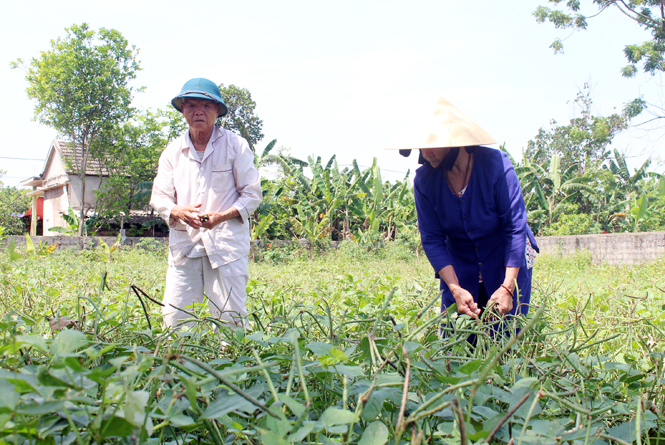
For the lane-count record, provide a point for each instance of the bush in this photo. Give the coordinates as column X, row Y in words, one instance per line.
column 12, row 202
column 573, row 224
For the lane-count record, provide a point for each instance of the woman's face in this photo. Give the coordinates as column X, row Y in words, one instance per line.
column 435, row 155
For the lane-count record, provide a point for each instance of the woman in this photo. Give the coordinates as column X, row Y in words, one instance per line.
column 472, row 218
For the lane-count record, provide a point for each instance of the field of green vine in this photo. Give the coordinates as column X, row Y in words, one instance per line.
column 347, row 348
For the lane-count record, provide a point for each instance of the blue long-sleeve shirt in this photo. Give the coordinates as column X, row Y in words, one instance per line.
column 483, row 231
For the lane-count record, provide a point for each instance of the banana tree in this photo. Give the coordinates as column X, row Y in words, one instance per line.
column 287, row 163
column 307, row 224
column 551, row 189
column 332, row 190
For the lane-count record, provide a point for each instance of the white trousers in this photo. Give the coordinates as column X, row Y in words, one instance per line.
column 225, row 288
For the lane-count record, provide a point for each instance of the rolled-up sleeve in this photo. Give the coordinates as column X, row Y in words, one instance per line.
column 248, row 182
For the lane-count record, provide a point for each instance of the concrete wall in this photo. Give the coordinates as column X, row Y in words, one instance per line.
column 77, row 241
column 616, row 248
column 610, row 248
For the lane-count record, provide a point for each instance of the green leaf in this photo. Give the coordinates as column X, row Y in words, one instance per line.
column 271, row 438
column 523, row 410
column 295, row 407
column 190, row 391
column 39, row 409
column 374, row 405
column 10, row 397
column 13, row 254
column 116, row 427
column 471, row 367
column 375, row 434
column 281, row 427
column 319, row 348
column 351, row 371
column 29, row 245
column 555, row 173
column 302, row 432
column 68, row 340
column 225, row 403
column 34, row 340
column 337, row 416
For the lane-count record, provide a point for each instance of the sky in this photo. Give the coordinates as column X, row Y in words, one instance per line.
column 345, row 77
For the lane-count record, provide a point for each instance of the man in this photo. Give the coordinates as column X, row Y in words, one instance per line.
column 206, row 188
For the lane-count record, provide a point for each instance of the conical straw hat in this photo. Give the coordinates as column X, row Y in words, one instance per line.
column 447, row 127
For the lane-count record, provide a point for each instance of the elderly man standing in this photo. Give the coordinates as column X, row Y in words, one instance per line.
column 206, row 188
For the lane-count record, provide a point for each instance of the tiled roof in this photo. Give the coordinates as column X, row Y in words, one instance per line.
column 72, row 155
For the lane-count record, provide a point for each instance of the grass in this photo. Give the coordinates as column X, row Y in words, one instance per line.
column 344, row 348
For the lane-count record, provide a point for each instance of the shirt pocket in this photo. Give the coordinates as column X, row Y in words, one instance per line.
column 222, row 178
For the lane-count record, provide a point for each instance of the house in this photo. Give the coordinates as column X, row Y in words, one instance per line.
column 60, row 185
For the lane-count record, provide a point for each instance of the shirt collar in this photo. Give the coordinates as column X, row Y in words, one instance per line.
column 216, row 134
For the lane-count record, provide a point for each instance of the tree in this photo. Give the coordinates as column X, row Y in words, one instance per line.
column 81, row 88
column 12, row 202
column 241, row 118
column 131, row 153
column 551, row 187
column 647, row 14
column 584, row 141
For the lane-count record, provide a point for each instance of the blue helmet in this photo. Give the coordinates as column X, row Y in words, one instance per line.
column 200, row 88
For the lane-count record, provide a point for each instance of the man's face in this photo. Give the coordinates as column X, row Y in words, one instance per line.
column 200, row 114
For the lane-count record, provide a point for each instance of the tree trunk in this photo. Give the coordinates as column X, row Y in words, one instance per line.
column 84, row 164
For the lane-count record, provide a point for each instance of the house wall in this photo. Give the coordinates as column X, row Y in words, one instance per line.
column 55, row 204
column 91, row 184
column 55, row 200
column 59, row 199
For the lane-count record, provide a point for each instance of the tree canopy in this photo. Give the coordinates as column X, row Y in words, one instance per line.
column 584, row 140
column 647, row 14
column 81, row 87
column 241, row 117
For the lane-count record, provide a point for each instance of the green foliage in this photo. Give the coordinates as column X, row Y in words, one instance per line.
column 241, row 117
column 131, row 153
column 72, row 221
column 584, row 141
column 13, row 202
column 572, row 183
column 80, row 87
column 646, row 14
column 334, row 204
column 42, row 249
column 349, row 355
column 572, row 222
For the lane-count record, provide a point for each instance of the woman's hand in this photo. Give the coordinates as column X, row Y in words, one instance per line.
column 503, row 300
column 465, row 302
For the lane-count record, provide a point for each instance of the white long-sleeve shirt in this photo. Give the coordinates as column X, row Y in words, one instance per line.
column 224, row 178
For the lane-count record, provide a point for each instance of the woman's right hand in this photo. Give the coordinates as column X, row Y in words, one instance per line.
column 465, row 302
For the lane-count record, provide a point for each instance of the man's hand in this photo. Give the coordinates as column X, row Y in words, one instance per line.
column 465, row 302
column 188, row 215
column 211, row 219
column 503, row 300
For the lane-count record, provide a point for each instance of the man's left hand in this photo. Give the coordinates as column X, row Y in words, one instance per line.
column 503, row 300
column 215, row 218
